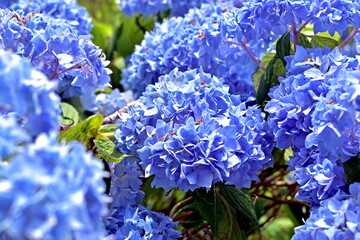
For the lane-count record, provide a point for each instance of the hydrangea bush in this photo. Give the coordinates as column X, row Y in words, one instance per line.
column 230, row 120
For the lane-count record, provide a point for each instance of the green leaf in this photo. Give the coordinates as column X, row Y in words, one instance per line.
column 352, row 169
column 229, row 229
column 70, row 116
column 108, row 128
column 304, row 42
column 259, row 72
column 279, row 229
column 240, row 201
column 102, row 32
column 108, row 151
column 210, row 208
column 283, row 47
column 262, row 86
column 84, row 132
column 229, row 212
column 128, row 33
column 265, row 83
column 321, row 41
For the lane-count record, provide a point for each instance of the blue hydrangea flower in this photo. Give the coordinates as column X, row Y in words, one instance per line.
column 140, row 223
column 11, row 136
column 106, row 103
column 147, row 8
column 319, row 177
column 27, row 94
column 336, row 118
column 55, row 49
column 52, row 191
column 336, row 218
column 6, row 3
column 267, row 19
column 128, row 220
column 60, row 10
column 190, row 132
column 311, row 74
column 125, row 192
column 315, row 111
column 126, row 183
column 191, row 42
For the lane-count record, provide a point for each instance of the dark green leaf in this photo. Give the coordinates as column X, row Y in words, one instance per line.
column 210, row 208
column 108, row 128
column 274, row 69
column 84, row 132
column 193, row 221
column 352, row 169
column 283, row 47
column 278, row 70
column 130, row 31
column 108, row 151
column 259, row 72
column 304, row 42
column 265, row 83
column 230, row 229
column 70, row 115
column 321, row 42
column 240, row 201
column 118, row 30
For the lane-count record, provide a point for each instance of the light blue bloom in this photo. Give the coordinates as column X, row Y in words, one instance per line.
column 192, row 42
column 56, row 49
column 189, row 132
column 319, row 177
column 138, row 223
column 336, row 218
column 11, row 136
column 52, row 191
column 61, row 10
column 126, row 183
column 27, row 94
column 106, row 103
column 147, row 8
column 315, row 111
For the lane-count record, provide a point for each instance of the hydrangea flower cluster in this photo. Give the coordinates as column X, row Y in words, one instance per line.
column 11, row 137
column 52, row 191
column 315, row 110
column 190, row 132
column 26, row 94
column 6, row 3
column 106, row 103
column 60, row 10
column 125, row 191
column 128, row 219
column 319, row 177
column 141, row 223
column 55, row 49
column 336, row 218
column 126, row 183
column 267, row 19
column 147, row 8
column 195, row 41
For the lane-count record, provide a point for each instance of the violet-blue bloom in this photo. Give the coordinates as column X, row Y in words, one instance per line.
column 336, row 218
column 28, row 94
column 61, row 10
column 193, row 41
column 52, row 191
column 57, row 50
column 190, row 132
